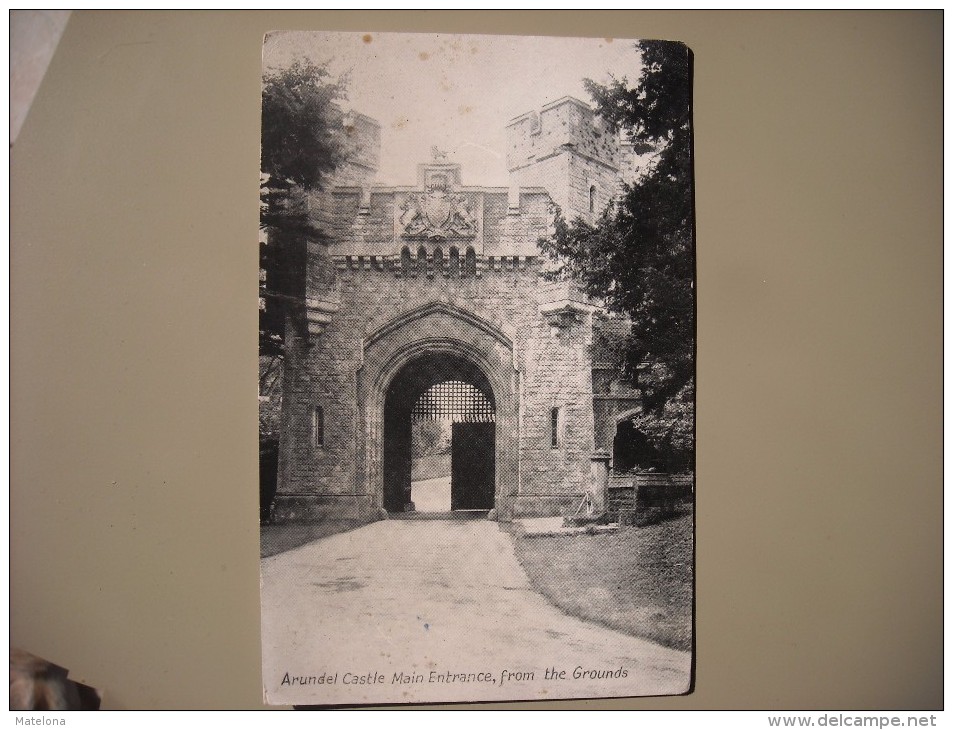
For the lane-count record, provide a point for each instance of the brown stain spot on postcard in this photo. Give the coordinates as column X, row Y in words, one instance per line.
column 367, row 38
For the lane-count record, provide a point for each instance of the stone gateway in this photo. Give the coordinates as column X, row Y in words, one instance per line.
column 429, row 301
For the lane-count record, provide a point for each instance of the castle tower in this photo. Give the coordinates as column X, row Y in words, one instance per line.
column 565, row 148
column 363, row 161
column 356, row 173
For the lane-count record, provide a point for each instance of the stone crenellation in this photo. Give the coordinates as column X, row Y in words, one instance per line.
column 436, row 261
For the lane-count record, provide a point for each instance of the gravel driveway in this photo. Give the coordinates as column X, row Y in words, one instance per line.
column 436, row 611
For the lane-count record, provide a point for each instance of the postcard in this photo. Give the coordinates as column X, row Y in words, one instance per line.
column 476, row 368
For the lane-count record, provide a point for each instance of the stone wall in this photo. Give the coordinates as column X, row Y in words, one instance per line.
column 567, row 150
column 565, row 122
column 552, row 369
column 366, row 221
column 568, row 177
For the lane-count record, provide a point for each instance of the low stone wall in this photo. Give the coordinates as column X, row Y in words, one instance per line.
column 643, row 499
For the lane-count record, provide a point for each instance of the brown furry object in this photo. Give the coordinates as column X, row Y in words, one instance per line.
column 36, row 684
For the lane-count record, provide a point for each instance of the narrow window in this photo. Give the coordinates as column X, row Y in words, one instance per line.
column 554, row 418
column 535, row 124
column 592, row 198
column 317, row 427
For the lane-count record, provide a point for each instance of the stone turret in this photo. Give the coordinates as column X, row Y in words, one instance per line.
column 363, row 161
column 565, row 148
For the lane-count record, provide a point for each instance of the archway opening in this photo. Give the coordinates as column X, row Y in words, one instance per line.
column 439, row 437
column 631, row 450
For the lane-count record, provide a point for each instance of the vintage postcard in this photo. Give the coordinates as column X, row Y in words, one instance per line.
column 476, row 368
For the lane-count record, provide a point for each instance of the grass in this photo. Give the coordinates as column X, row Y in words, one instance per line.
column 636, row 580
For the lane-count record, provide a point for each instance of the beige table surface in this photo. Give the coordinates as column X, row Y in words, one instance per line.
column 134, row 556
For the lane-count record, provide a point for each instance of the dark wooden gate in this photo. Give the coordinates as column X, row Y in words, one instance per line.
column 473, row 466
column 397, row 460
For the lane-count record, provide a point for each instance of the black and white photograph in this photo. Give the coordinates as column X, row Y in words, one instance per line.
column 476, row 368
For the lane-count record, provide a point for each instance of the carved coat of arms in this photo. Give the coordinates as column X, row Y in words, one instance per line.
column 437, row 214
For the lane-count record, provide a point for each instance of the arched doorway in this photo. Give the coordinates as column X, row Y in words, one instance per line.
column 449, row 388
column 631, row 450
column 443, row 338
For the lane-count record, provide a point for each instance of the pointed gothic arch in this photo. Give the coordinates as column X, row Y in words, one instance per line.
column 440, row 335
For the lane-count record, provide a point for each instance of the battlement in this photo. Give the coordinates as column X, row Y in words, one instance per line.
column 562, row 153
column 378, row 220
column 435, row 262
column 564, row 125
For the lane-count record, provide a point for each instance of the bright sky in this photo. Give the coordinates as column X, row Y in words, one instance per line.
column 453, row 91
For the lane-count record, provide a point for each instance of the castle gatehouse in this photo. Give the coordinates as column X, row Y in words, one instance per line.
column 429, row 302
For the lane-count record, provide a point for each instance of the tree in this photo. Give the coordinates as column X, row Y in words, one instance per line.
column 428, row 438
column 303, row 140
column 638, row 256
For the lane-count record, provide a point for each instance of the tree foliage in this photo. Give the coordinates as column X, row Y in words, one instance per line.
column 638, row 256
column 429, row 438
column 303, row 140
column 670, row 430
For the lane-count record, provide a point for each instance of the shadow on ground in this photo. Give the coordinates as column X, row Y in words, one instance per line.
column 277, row 539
